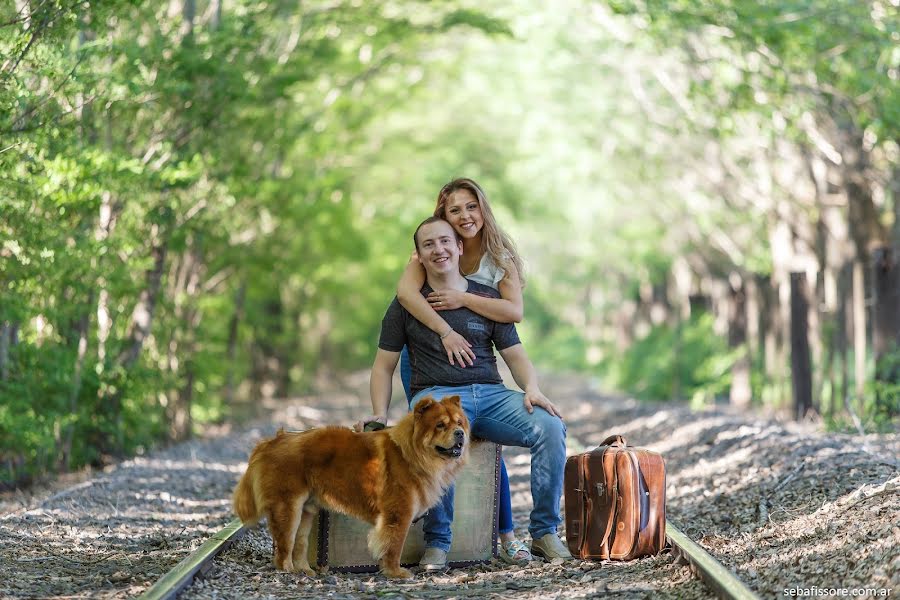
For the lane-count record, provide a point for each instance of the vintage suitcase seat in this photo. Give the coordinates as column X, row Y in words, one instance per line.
column 339, row 542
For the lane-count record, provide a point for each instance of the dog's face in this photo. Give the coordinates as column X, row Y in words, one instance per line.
column 441, row 427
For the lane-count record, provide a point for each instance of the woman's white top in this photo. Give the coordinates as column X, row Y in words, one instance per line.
column 488, row 272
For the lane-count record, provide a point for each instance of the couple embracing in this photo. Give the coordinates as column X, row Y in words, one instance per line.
column 458, row 300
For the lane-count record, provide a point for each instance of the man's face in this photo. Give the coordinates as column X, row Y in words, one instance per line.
column 439, row 249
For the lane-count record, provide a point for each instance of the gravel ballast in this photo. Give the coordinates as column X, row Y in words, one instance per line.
column 785, row 506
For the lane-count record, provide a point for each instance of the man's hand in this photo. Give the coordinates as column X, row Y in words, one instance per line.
column 459, row 350
column 534, row 397
column 447, row 299
column 361, row 425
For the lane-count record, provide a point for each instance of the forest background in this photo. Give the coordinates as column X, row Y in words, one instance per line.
column 205, row 203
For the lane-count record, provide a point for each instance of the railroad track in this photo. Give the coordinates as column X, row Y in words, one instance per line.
column 702, row 564
column 722, row 581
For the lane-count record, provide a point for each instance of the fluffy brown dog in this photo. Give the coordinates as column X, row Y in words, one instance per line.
column 386, row 478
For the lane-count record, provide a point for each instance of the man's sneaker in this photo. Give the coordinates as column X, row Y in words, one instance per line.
column 549, row 547
column 433, row 561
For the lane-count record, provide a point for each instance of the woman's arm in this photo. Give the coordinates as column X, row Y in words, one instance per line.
column 506, row 309
column 409, row 295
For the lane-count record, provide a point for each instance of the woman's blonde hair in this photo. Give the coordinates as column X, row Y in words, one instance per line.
column 495, row 242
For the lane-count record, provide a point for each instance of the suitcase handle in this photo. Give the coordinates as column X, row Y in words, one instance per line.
column 614, row 440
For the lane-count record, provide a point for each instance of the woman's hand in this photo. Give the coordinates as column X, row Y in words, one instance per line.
column 534, row 397
column 447, row 299
column 459, row 350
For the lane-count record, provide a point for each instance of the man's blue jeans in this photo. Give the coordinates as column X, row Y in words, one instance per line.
column 498, row 414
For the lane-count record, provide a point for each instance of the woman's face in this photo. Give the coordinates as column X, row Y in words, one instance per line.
column 463, row 211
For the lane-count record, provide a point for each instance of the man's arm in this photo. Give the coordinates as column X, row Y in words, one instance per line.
column 380, row 382
column 526, row 377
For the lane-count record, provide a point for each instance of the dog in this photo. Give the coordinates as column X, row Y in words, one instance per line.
column 386, row 478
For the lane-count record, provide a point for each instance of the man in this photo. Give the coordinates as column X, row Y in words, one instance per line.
column 495, row 412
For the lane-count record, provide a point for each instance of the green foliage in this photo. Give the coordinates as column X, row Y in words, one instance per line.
column 193, row 214
column 886, row 388
column 478, row 20
column 196, row 182
column 796, row 53
column 688, row 361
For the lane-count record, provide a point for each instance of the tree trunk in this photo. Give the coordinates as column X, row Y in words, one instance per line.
column 753, row 318
column 801, row 367
column 270, row 366
column 774, row 343
column 184, row 287
column 85, row 105
column 762, row 287
column 84, row 324
column 677, row 366
column 895, row 195
column 178, row 411
column 188, row 13
column 859, row 333
column 886, row 300
column 641, row 323
column 866, row 231
column 180, row 422
column 231, row 351
column 886, row 325
column 863, row 218
column 140, row 327
column 215, row 19
column 661, row 306
column 699, row 303
column 108, row 215
column 142, row 315
column 23, row 8
column 740, row 394
column 842, row 341
column 624, row 321
column 7, row 334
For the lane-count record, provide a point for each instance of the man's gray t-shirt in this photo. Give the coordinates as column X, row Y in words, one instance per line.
column 427, row 356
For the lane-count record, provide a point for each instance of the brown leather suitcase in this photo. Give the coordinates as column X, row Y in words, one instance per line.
column 615, row 501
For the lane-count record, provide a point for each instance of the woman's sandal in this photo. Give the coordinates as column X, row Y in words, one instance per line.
column 515, row 552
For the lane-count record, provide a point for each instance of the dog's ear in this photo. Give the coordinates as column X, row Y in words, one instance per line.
column 452, row 400
column 423, row 405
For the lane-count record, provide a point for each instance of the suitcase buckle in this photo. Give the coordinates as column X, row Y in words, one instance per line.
column 601, row 489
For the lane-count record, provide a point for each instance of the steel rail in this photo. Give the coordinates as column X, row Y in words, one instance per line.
column 723, row 582
column 172, row 583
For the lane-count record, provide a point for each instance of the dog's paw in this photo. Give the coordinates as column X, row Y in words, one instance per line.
column 297, row 567
column 398, row 573
column 285, row 565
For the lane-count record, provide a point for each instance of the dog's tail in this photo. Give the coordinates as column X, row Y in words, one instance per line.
column 244, row 499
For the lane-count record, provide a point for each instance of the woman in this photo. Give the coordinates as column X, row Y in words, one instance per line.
column 489, row 257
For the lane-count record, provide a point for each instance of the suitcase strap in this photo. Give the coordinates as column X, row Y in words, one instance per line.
column 610, row 524
column 585, row 507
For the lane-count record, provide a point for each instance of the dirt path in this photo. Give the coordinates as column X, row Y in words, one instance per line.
column 784, row 506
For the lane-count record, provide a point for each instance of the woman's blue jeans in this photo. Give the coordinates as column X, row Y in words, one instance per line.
column 498, row 414
column 505, row 521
